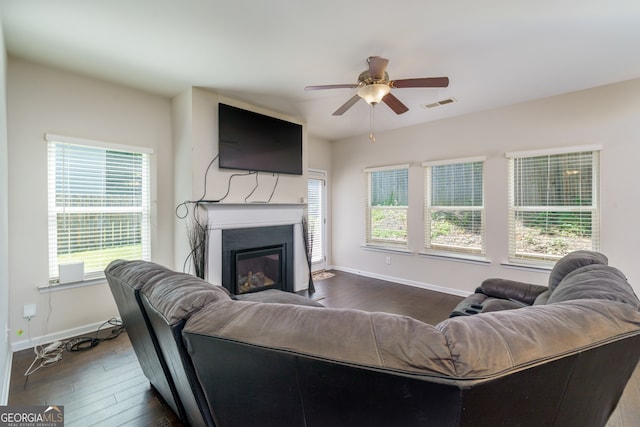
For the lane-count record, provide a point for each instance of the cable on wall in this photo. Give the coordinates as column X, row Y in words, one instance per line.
column 202, row 199
column 255, row 187
column 204, row 193
column 273, row 190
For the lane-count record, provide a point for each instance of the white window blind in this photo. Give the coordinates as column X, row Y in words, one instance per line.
column 387, row 205
column 553, row 204
column 454, row 206
column 98, row 204
column 316, row 219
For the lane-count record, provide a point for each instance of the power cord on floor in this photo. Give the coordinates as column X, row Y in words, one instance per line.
column 52, row 353
column 86, row 343
column 46, row 355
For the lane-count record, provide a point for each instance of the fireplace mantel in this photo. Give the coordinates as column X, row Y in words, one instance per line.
column 240, row 215
column 221, row 216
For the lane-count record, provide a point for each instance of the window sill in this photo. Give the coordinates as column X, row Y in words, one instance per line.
column 462, row 257
column 376, row 248
column 538, row 268
column 54, row 287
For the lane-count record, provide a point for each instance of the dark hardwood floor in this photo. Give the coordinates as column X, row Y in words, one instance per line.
column 104, row 386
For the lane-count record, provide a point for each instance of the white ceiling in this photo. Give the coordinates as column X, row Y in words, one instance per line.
column 495, row 52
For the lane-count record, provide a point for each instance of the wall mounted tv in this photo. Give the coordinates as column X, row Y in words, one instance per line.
column 255, row 142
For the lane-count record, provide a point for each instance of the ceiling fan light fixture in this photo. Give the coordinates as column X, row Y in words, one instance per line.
column 373, row 93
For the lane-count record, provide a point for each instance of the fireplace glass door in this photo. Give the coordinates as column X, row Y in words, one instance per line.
column 258, row 269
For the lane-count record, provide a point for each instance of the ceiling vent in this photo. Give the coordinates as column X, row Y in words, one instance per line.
column 439, row 103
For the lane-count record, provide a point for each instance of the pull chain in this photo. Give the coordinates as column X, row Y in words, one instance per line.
column 371, row 131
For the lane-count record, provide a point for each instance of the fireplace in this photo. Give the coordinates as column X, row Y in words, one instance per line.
column 257, row 258
column 254, row 219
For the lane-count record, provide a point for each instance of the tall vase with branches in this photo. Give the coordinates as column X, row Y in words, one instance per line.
column 308, row 245
column 198, row 234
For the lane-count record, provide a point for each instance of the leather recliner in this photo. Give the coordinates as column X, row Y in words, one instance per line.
column 496, row 294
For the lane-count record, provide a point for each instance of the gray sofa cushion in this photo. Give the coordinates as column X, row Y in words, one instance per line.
column 180, row 295
column 469, row 347
column 543, row 298
column 492, row 343
column 279, row 297
column 352, row 336
column 135, row 274
column 571, row 262
column 595, row 281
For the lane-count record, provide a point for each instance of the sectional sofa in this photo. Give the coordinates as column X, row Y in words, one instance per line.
column 292, row 362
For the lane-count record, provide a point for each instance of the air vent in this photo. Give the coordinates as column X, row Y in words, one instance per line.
column 439, row 103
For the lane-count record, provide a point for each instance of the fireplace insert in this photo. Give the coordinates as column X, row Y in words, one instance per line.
column 257, row 258
column 258, row 269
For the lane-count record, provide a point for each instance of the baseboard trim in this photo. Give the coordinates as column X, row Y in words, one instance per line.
column 429, row 286
column 4, row 393
column 57, row 336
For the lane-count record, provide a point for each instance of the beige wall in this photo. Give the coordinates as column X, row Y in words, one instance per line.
column 43, row 99
column 196, row 111
column 182, row 163
column 606, row 116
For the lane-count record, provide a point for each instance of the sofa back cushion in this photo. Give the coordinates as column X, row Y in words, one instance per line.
column 595, row 281
column 469, row 347
column 179, row 295
column 135, row 274
column 571, row 262
column 351, row 336
column 543, row 298
column 491, row 343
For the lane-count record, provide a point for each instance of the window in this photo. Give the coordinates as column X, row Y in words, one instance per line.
column 387, row 205
column 454, row 206
column 98, row 204
column 553, row 203
column 316, row 218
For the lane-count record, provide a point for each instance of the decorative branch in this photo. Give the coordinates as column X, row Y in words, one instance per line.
column 198, row 235
column 308, row 251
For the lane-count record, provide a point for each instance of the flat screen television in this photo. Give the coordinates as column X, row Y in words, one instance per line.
column 251, row 141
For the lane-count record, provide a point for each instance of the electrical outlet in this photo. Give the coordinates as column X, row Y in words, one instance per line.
column 29, row 311
column 388, row 260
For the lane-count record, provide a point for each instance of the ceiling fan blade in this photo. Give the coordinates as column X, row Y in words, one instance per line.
column 377, row 66
column 343, row 86
column 340, row 111
column 395, row 104
column 424, row 82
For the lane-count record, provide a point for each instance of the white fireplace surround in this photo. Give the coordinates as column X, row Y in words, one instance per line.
column 221, row 216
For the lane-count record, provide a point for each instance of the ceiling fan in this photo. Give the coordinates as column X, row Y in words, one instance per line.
column 374, row 86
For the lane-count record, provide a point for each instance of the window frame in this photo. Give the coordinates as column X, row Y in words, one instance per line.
column 548, row 259
column 53, row 210
column 429, row 208
column 371, row 241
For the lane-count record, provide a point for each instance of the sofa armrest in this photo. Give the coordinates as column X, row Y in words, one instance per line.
column 512, row 290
